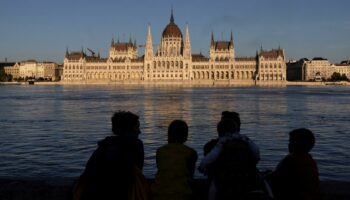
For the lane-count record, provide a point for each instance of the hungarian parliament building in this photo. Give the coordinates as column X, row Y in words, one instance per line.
column 173, row 61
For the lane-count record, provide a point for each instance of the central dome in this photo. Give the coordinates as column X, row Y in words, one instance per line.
column 172, row 30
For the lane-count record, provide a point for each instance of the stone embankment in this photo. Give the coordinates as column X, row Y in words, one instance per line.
column 207, row 83
column 61, row 189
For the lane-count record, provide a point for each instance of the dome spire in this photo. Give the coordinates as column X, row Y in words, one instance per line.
column 172, row 16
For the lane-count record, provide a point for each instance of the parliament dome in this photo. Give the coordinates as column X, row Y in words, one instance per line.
column 172, row 30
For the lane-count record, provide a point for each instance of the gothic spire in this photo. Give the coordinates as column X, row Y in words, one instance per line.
column 112, row 42
column 172, row 17
column 187, row 36
column 149, row 46
column 187, row 49
column 212, row 43
column 82, row 53
column 130, row 40
column 231, row 41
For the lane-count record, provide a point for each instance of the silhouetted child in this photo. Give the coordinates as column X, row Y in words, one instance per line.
column 176, row 164
column 109, row 172
column 296, row 176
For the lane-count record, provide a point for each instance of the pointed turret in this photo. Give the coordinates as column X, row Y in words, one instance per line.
column 130, row 40
column 231, row 40
column 112, row 42
column 67, row 52
column 149, row 46
column 212, row 43
column 187, row 50
column 82, row 53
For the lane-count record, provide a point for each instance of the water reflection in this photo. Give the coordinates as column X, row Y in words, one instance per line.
column 52, row 130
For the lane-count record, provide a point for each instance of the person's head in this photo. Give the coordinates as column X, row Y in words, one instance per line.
column 233, row 116
column 177, row 131
column 225, row 126
column 125, row 123
column 301, row 141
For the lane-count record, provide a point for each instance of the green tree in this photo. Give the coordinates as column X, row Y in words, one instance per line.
column 2, row 75
column 344, row 77
column 336, row 76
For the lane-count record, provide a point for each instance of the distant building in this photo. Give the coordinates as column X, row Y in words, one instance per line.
column 12, row 69
column 173, row 60
column 33, row 69
column 316, row 69
column 295, row 70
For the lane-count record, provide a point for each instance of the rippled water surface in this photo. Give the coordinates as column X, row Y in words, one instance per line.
column 51, row 131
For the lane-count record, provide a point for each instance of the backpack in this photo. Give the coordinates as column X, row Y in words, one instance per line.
column 236, row 175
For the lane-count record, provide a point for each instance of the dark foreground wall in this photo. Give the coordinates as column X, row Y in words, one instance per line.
column 61, row 189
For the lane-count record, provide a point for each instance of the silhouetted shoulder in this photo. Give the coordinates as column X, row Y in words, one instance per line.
column 210, row 145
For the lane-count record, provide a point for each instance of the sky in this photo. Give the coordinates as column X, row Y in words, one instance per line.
column 44, row 29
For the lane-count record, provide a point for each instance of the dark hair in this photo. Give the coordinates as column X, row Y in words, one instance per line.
column 301, row 140
column 233, row 116
column 124, row 122
column 177, row 131
column 226, row 125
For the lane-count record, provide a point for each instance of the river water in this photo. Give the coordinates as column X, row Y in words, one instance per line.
column 51, row 131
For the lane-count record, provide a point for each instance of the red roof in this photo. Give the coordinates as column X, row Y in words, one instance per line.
column 123, row 46
column 172, row 30
column 74, row 56
column 220, row 45
column 274, row 53
column 199, row 58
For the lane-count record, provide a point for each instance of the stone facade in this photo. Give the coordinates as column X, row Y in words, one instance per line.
column 13, row 70
column 316, row 69
column 173, row 60
column 33, row 69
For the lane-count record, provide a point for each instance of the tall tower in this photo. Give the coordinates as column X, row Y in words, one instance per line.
column 187, row 45
column 149, row 46
column 148, row 56
column 232, row 48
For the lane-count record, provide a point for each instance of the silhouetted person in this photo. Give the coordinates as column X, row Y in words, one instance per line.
column 235, row 119
column 233, row 164
column 296, row 176
column 176, row 164
column 109, row 171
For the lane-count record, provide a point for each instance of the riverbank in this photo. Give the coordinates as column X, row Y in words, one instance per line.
column 219, row 83
column 61, row 189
